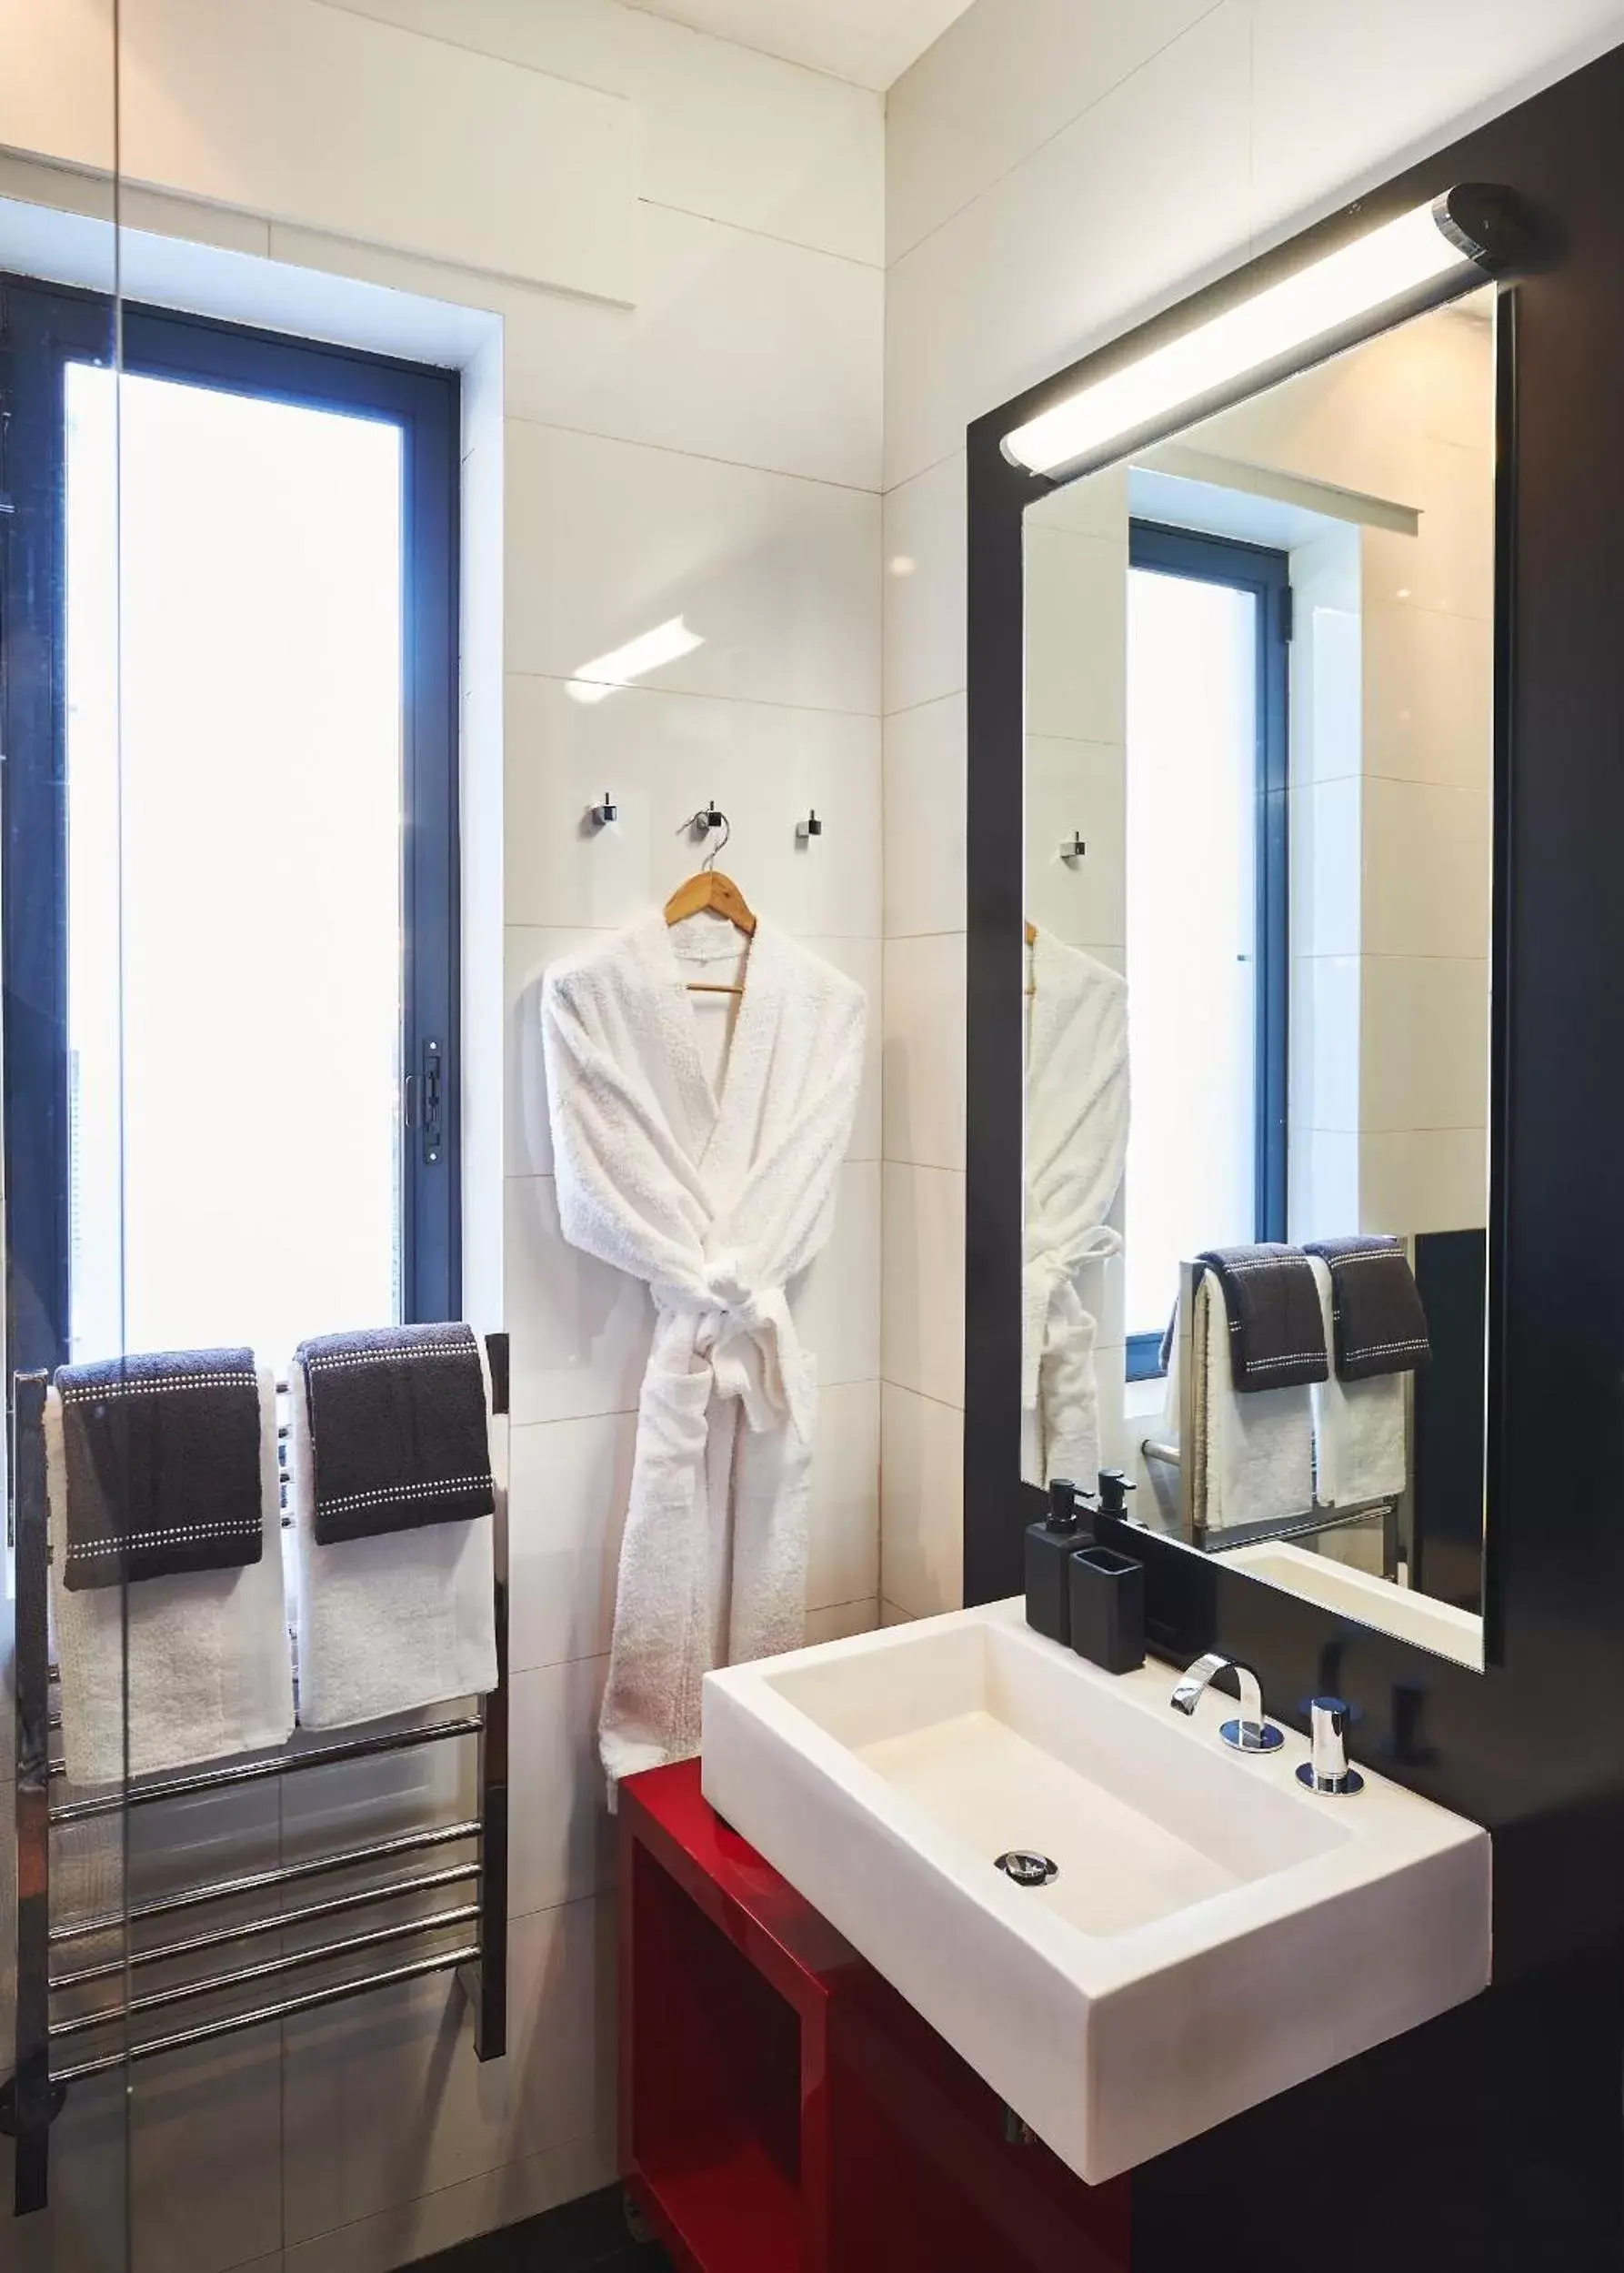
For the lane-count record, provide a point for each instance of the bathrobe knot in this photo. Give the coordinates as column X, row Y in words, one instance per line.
column 748, row 1338
column 1056, row 1322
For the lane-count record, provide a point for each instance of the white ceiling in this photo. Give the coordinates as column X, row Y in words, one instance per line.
column 869, row 41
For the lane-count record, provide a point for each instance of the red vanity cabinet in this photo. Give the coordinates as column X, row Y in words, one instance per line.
column 782, row 2111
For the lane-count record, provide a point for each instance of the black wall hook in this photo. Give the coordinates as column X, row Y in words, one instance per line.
column 804, row 831
column 701, row 824
column 605, row 813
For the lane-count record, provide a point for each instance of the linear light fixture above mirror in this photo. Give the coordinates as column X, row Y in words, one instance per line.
column 1424, row 257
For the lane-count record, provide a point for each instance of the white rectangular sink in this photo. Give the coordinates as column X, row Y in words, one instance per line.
column 1214, row 1933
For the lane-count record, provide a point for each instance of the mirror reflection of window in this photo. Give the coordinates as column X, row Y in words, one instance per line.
column 1205, row 906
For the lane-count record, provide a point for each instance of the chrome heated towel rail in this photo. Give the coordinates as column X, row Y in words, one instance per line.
column 50, row 2047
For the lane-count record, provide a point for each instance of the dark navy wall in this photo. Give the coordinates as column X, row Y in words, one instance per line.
column 1495, row 2139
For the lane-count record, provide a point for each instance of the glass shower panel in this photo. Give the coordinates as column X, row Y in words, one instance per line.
column 65, row 2170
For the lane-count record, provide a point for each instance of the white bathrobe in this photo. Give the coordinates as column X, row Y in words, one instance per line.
column 1077, row 1142
column 717, row 1200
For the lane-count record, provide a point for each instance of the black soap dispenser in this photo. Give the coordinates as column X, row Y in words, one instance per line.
column 1050, row 1546
column 1114, row 1489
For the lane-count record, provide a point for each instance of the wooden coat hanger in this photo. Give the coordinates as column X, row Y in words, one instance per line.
column 709, row 889
column 1031, row 941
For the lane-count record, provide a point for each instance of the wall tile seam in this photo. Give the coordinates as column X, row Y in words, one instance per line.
column 922, row 473
column 505, row 278
column 699, row 458
column 888, row 1381
column 550, row 1664
column 894, row 259
column 768, row 237
column 1369, row 1129
column 1374, row 773
column 697, row 694
column 693, row 31
column 593, row 86
column 1377, row 605
column 786, row 62
column 923, row 703
column 1360, row 954
column 594, row 1891
column 391, row 2210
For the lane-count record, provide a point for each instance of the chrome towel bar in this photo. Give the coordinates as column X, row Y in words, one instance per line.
column 32, row 2097
column 309, row 2001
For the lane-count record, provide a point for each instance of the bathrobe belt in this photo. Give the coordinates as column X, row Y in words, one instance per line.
column 1055, row 1315
column 748, row 1338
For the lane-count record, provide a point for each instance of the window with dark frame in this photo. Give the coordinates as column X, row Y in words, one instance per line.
column 390, row 433
column 1263, row 575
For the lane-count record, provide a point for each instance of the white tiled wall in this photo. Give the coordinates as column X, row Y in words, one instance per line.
column 691, row 426
column 1056, row 170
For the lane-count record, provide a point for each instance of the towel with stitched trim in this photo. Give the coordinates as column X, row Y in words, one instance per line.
column 1276, row 1335
column 1378, row 1323
column 161, row 1459
column 400, row 1430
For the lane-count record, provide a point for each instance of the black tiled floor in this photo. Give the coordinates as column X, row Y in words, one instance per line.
column 584, row 2237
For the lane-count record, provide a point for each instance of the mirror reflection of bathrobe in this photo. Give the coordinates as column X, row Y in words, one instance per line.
column 1077, row 1141
column 717, row 1195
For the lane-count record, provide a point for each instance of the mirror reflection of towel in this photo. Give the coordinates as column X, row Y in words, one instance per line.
column 1277, row 1336
column 1253, row 1451
column 1377, row 1321
column 1360, row 1441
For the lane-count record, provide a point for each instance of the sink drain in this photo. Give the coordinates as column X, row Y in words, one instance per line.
column 1026, row 1867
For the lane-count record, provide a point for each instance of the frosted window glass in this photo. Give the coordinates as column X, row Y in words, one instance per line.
column 235, row 941
column 1192, row 930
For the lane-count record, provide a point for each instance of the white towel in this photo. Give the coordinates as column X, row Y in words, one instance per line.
column 1359, row 1426
column 718, row 1197
column 394, row 1622
column 210, row 1673
column 1254, row 1452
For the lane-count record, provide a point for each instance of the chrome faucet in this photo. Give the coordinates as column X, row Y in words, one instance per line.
column 1327, row 1769
column 1252, row 1731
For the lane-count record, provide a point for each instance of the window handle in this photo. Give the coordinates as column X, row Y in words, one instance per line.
column 425, row 1101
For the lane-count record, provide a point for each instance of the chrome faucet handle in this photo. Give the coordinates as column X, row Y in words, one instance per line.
column 1326, row 1769
column 1252, row 1731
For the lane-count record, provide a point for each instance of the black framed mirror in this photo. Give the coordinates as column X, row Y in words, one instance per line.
column 1257, row 736
column 1259, row 786
column 1495, row 1743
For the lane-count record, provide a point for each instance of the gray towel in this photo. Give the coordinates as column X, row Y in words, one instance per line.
column 398, row 1430
column 161, row 1454
column 1277, row 1331
column 1377, row 1323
